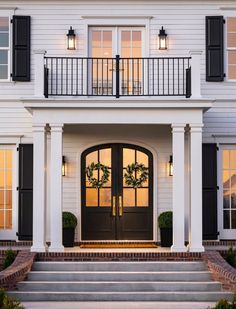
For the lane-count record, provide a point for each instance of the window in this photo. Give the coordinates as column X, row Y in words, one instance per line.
column 6, row 169
column 231, row 47
column 4, row 47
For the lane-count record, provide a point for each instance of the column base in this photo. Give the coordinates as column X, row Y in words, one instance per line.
column 56, row 249
column 196, row 249
column 178, row 249
column 38, row 249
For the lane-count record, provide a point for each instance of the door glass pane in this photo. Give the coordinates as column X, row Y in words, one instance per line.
column 226, row 201
column 1, row 159
column 105, row 197
column 233, row 179
column 142, row 197
column 91, row 197
column 8, row 199
column 128, row 156
column 92, row 158
column 105, row 157
column 225, row 159
column 226, row 179
column 1, row 219
column 2, row 182
column 128, row 197
column 8, row 224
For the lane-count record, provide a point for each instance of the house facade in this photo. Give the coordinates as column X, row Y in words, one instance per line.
column 136, row 102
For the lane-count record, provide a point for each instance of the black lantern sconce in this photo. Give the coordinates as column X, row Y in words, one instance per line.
column 170, row 166
column 64, row 166
column 71, row 39
column 162, row 39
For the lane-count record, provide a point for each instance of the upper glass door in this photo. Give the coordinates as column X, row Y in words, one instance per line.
column 105, row 44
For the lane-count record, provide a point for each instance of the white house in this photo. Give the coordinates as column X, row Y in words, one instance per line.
column 119, row 88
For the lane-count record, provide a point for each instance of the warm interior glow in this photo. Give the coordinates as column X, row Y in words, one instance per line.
column 170, row 166
column 162, row 43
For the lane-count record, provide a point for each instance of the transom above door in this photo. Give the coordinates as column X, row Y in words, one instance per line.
column 106, row 43
column 115, row 208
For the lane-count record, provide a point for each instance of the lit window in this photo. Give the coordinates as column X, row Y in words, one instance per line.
column 6, row 156
column 231, row 47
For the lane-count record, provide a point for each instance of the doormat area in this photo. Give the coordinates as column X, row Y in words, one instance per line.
column 117, row 245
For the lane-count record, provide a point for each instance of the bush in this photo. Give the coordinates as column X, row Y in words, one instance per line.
column 225, row 304
column 165, row 220
column 69, row 220
column 10, row 256
column 231, row 257
column 7, row 302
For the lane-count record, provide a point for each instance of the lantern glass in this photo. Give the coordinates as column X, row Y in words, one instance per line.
column 64, row 166
column 71, row 39
column 162, row 39
column 171, row 166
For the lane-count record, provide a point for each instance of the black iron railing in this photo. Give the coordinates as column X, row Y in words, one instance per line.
column 117, row 76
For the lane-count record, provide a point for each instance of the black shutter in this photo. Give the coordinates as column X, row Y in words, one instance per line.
column 21, row 48
column 209, row 182
column 25, row 191
column 214, row 48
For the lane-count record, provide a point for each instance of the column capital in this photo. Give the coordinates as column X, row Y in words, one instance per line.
column 196, row 127
column 39, row 127
column 56, row 127
column 178, row 127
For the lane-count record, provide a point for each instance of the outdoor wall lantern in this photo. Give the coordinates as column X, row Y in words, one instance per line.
column 162, row 39
column 71, row 39
column 64, row 166
column 171, row 166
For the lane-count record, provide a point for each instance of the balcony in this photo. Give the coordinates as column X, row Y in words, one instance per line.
column 117, row 77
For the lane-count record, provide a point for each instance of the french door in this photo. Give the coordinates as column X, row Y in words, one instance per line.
column 227, row 195
column 105, row 44
column 117, row 210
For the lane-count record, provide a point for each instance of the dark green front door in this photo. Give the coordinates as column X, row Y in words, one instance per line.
column 116, row 210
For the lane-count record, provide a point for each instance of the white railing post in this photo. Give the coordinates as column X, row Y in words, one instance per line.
column 195, row 73
column 39, row 73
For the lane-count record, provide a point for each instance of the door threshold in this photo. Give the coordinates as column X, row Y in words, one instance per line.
column 119, row 244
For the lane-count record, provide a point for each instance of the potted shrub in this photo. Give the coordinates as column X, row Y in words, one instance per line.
column 165, row 222
column 69, row 223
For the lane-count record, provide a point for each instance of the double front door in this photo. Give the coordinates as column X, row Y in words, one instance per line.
column 105, row 44
column 117, row 189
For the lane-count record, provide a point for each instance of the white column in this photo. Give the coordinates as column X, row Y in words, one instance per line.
column 56, row 189
column 178, row 188
column 39, row 167
column 195, row 73
column 195, row 235
column 39, row 73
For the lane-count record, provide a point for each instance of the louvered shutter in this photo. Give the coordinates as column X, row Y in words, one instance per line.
column 214, row 48
column 25, row 192
column 21, row 48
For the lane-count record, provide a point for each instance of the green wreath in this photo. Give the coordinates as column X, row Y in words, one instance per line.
column 96, row 183
column 130, row 179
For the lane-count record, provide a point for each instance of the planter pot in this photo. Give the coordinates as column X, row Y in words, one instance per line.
column 166, row 237
column 68, row 237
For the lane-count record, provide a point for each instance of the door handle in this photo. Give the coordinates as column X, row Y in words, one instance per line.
column 114, row 206
column 120, row 206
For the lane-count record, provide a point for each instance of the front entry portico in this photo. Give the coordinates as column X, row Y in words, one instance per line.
column 185, row 123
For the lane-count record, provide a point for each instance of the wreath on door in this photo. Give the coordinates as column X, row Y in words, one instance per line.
column 94, row 182
column 131, row 171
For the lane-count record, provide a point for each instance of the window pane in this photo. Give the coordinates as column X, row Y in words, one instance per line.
column 226, row 219
column 226, row 203
column 3, row 57
column 233, row 179
column 8, row 199
column 232, row 72
column 231, row 23
column 96, row 38
column 226, row 181
column 126, row 38
column 107, row 38
column 1, row 219
column 137, row 38
column 225, row 158
column 2, row 179
column 8, row 184
column 1, row 158
column 8, row 158
column 142, row 197
column 3, row 71
column 4, row 39
column 128, row 197
column 232, row 56
column 105, row 197
column 233, row 159
column 4, row 24
column 128, row 156
column 233, row 219
column 105, row 157
column 1, row 199
column 92, row 157
column 8, row 224
column 92, row 197
column 231, row 39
